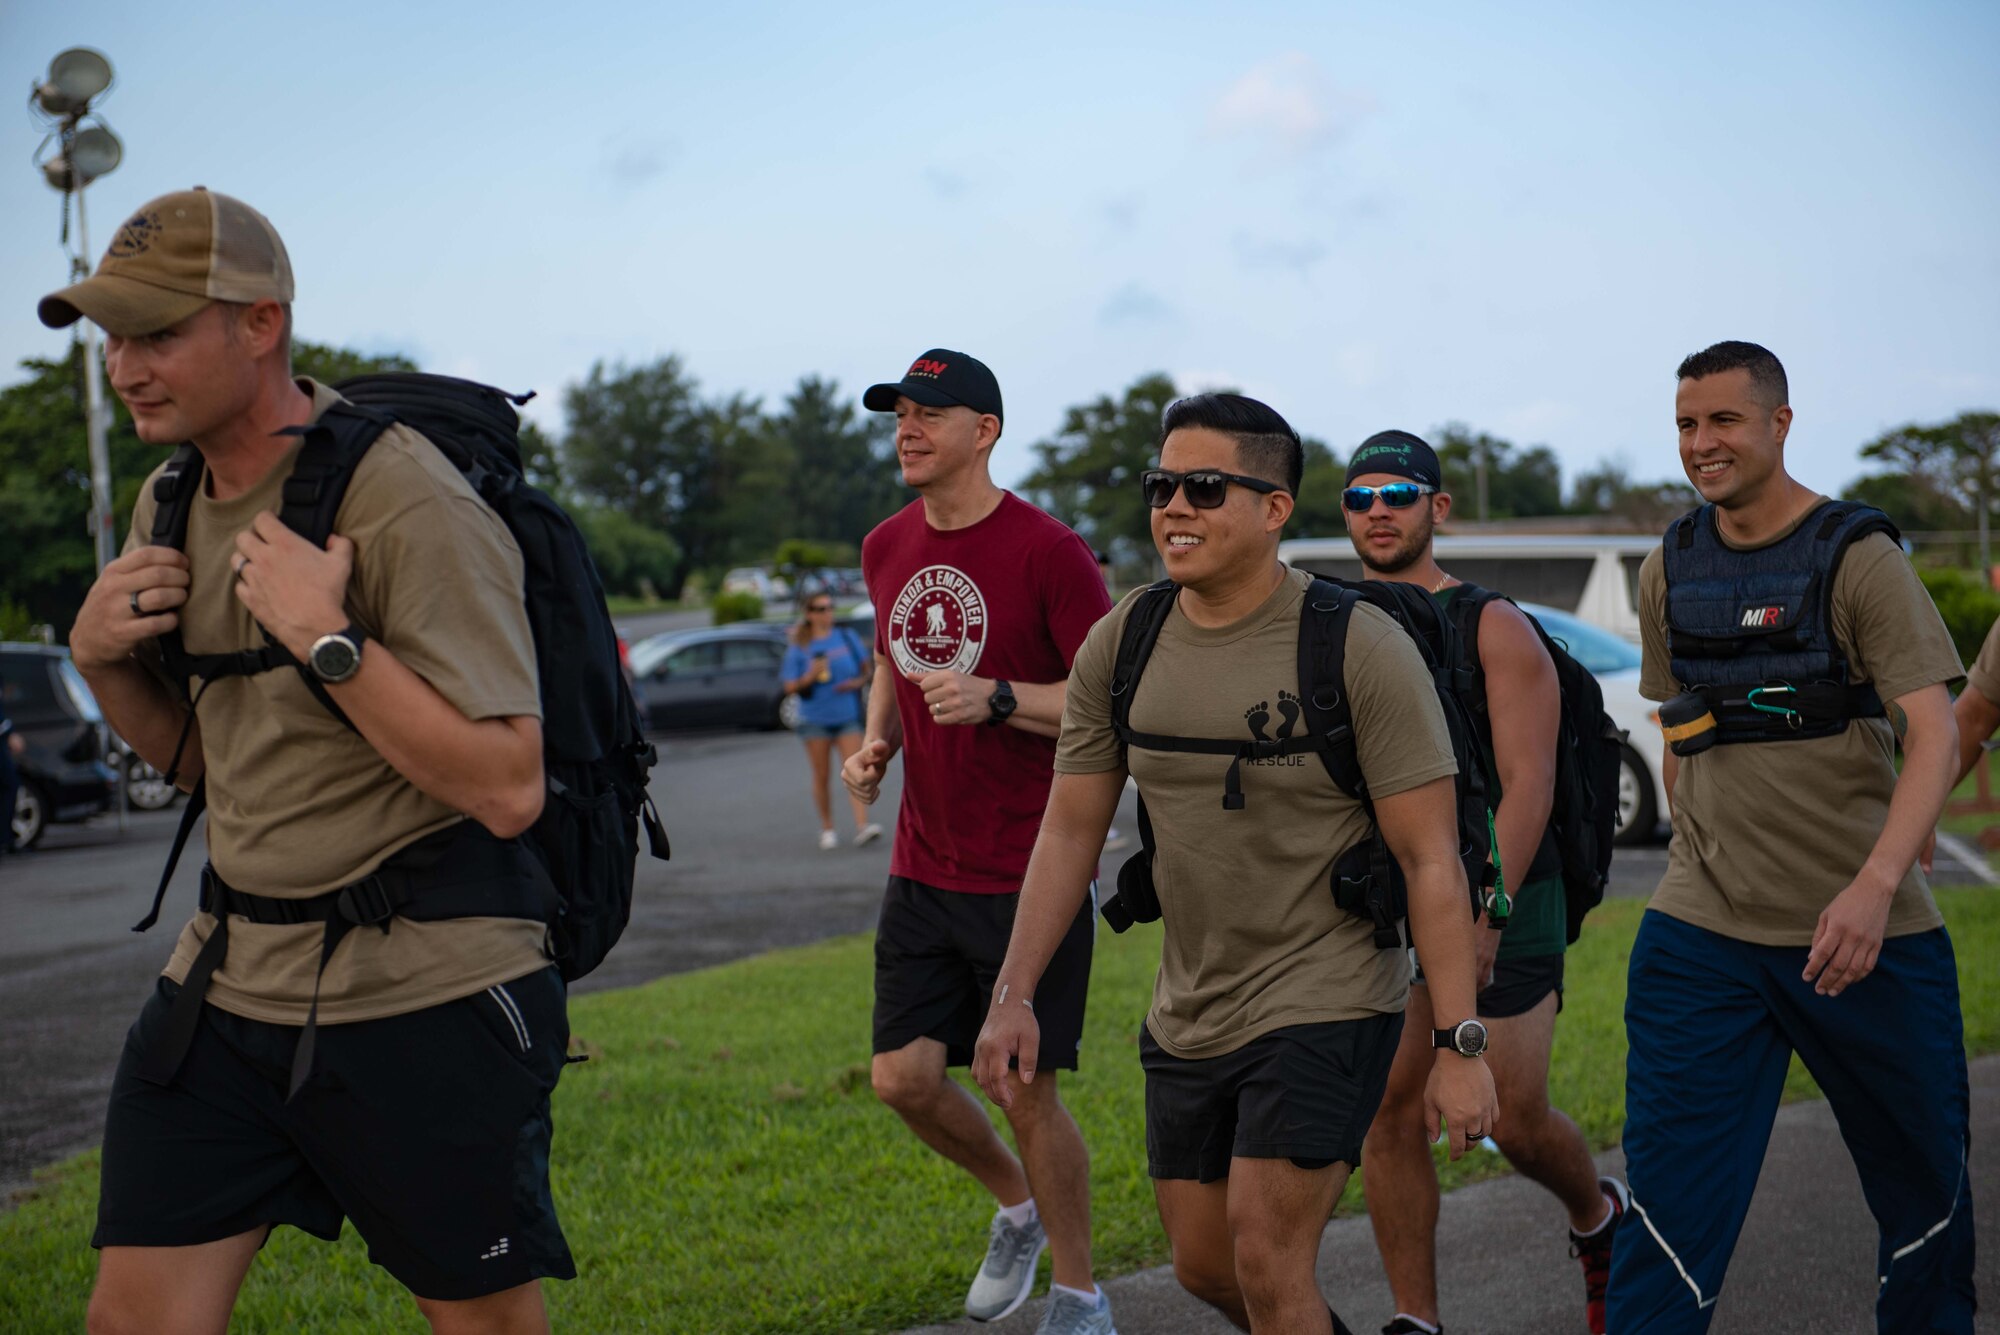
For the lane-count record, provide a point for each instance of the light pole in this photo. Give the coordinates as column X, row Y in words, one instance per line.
column 82, row 154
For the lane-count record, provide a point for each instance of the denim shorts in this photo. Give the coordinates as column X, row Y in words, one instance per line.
column 827, row 731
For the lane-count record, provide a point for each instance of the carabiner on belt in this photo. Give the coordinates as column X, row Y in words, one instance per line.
column 1791, row 716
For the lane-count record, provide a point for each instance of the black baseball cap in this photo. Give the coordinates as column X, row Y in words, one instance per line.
column 1397, row 453
column 941, row 378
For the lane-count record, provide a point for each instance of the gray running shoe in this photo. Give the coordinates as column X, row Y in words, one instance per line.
column 1007, row 1276
column 1071, row 1315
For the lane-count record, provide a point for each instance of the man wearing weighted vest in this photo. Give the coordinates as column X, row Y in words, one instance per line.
column 1393, row 502
column 1793, row 649
column 334, row 1060
column 1276, row 1013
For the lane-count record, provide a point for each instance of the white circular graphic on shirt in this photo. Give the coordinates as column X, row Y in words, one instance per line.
column 938, row 622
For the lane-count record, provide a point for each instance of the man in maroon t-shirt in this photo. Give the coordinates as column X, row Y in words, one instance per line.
column 981, row 602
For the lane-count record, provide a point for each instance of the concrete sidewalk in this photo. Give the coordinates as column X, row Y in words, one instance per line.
column 1805, row 1264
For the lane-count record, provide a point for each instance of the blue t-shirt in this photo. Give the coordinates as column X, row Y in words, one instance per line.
column 822, row 705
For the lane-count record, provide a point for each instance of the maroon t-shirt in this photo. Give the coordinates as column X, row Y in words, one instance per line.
column 1009, row 598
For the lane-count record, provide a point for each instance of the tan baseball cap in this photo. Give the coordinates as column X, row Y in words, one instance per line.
column 173, row 257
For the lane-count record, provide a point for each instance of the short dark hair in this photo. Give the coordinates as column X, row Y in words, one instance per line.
column 1266, row 445
column 1767, row 373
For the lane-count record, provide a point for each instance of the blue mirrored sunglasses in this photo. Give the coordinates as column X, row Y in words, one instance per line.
column 1397, row 496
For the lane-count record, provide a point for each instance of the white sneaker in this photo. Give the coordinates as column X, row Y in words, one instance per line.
column 1007, row 1276
column 867, row 834
column 828, row 841
column 1068, row 1314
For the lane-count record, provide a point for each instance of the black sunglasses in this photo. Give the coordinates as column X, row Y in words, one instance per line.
column 819, row 607
column 1397, row 496
column 1205, row 487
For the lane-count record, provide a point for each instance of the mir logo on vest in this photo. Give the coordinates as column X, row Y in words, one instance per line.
column 1756, row 618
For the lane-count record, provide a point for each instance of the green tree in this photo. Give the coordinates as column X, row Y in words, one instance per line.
column 1088, row 474
column 839, row 464
column 327, row 364
column 1518, row 483
column 630, row 558
column 1320, row 483
column 1959, row 458
column 637, row 445
column 46, row 561
column 1608, row 490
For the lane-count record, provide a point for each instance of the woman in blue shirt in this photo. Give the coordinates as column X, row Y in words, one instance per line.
column 826, row 667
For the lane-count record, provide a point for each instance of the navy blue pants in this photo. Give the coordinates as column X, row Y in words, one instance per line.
column 1713, row 1023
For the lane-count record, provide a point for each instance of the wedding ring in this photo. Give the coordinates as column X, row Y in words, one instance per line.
column 134, row 600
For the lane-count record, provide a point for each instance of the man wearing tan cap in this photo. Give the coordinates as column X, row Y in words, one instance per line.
column 283, row 1072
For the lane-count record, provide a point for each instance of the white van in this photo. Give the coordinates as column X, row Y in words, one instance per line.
column 1593, row 576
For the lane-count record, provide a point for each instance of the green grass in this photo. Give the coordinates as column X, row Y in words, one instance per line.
column 721, row 1164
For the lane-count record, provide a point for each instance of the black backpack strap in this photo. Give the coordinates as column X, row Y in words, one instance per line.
column 1465, row 610
column 330, row 451
column 173, row 498
column 1323, row 624
column 1142, row 631
column 460, row 872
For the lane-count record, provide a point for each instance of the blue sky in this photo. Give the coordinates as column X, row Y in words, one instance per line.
column 1519, row 216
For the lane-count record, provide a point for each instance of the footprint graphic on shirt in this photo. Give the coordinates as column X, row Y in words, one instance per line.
column 1288, row 709
column 1257, row 716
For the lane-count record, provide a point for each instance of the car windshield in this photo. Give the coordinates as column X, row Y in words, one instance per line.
column 1593, row 646
column 650, row 652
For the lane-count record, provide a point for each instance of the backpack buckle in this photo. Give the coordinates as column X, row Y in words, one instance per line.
column 1264, row 748
column 366, row 902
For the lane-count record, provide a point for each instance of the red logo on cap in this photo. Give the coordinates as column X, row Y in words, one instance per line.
column 922, row 367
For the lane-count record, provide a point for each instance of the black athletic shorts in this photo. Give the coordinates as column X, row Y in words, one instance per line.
column 429, row 1130
column 937, row 953
column 1306, row 1093
column 1518, row 985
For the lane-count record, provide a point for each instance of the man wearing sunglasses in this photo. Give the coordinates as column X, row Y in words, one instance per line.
column 1275, row 1015
column 982, row 601
column 1393, row 502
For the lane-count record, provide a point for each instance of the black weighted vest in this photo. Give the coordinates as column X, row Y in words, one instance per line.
column 1751, row 632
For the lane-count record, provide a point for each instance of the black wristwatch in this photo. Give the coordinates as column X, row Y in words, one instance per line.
column 1002, row 704
column 1467, row 1038
column 337, row 657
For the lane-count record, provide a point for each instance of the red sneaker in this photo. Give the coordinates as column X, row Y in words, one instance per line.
column 1595, row 1253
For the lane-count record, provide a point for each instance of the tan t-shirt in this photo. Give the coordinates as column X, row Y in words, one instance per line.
column 1767, row 833
column 297, row 803
column 1985, row 672
column 1253, row 940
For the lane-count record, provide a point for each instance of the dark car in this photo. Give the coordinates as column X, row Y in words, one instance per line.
column 64, row 776
column 722, row 676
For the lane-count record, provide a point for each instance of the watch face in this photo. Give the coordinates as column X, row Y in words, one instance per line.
column 1470, row 1038
column 334, row 658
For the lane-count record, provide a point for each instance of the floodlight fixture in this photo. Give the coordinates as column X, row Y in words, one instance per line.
column 75, row 77
column 95, row 152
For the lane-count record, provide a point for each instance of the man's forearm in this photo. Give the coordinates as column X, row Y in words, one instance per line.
column 1441, row 929
column 141, row 709
column 885, row 723
column 1930, row 758
column 489, row 769
column 1519, row 823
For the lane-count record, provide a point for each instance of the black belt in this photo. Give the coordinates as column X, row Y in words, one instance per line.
column 462, row 872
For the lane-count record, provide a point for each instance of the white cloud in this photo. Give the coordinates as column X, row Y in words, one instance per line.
column 1269, row 252
column 1288, row 104
column 1134, row 304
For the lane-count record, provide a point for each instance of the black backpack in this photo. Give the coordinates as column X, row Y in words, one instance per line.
column 594, row 754
column 1584, row 815
column 1366, row 880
